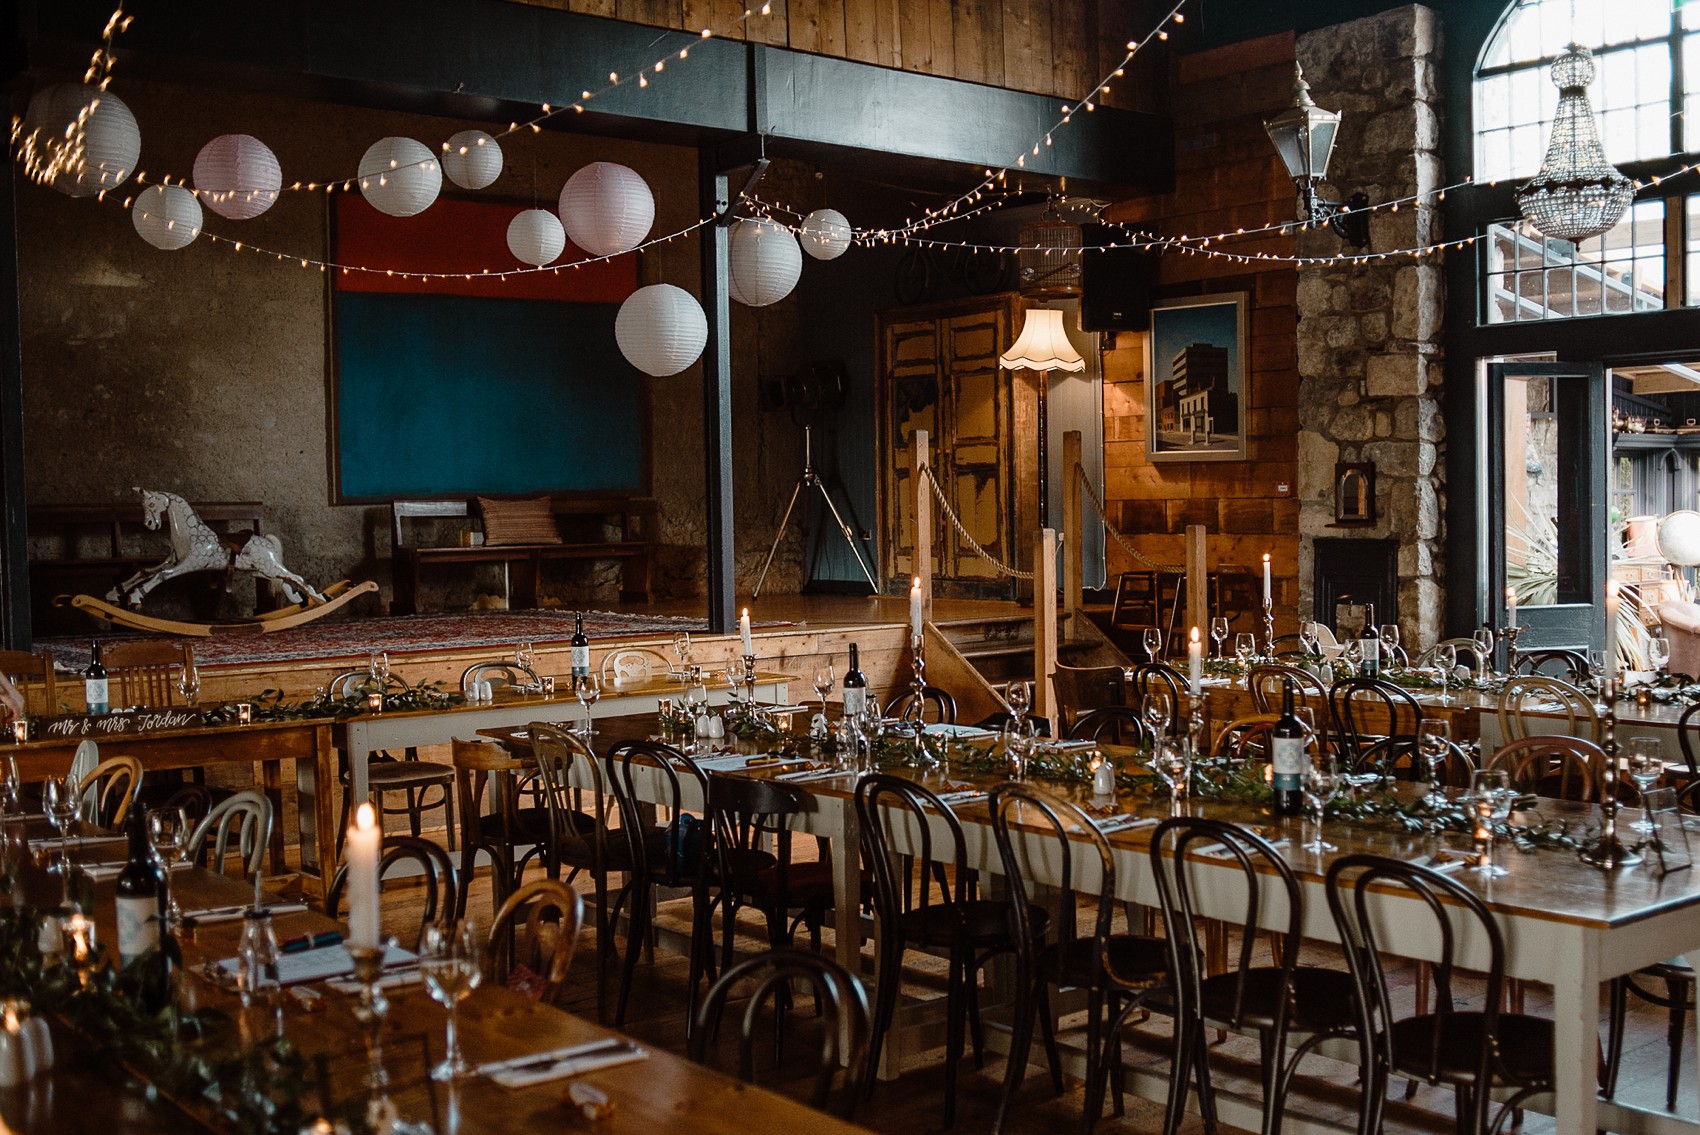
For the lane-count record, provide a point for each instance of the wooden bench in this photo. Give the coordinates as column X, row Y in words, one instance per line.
column 634, row 516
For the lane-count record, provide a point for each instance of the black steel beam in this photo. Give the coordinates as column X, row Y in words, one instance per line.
column 717, row 398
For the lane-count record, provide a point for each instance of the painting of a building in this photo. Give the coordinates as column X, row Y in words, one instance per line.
column 1196, row 358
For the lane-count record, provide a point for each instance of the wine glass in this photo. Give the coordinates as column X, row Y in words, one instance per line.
column 1019, row 697
column 1446, row 661
column 1245, row 646
column 59, row 801
column 1153, row 642
column 1490, row 797
column 1018, row 741
column 1434, row 739
column 588, row 687
column 1218, row 634
column 1154, row 708
column 823, row 683
column 168, row 833
column 11, row 791
column 1645, row 765
column 1658, row 652
column 1389, row 643
column 1309, row 639
column 1484, row 640
column 1321, row 783
column 525, row 657
column 256, row 955
column 1352, row 654
column 189, row 683
column 682, row 649
column 450, row 962
column 1172, row 763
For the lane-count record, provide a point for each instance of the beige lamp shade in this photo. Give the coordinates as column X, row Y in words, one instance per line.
column 1042, row 345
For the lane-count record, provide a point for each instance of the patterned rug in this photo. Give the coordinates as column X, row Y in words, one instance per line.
column 355, row 638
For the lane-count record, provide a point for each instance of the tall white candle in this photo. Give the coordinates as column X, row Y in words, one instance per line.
column 1267, row 593
column 1511, row 606
column 1610, row 657
column 744, row 631
column 915, row 609
column 1195, row 662
column 365, row 841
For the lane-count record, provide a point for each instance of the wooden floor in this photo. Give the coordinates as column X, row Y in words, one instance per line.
column 911, row 1105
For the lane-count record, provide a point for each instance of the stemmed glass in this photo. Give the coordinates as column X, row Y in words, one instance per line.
column 168, row 833
column 59, row 801
column 378, row 671
column 682, row 649
column 1309, row 640
column 1019, row 697
column 1153, row 642
column 1644, row 765
column 1154, row 708
column 1490, row 798
column 825, row 679
column 1658, row 652
column 525, row 657
column 11, row 791
column 1018, row 742
column 588, row 687
column 1389, row 644
column 1446, row 661
column 1352, row 654
column 1173, row 765
column 1218, row 634
column 189, row 683
column 1484, row 640
column 450, row 962
column 1434, row 738
column 1321, row 783
column 1245, row 646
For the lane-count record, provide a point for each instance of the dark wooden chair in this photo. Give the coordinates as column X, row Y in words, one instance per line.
column 1113, row 725
column 497, row 833
column 1366, row 710
column 33, row 675
column 1082, row 689
column 432, row 866
column 937, row 705
column 144, row 671
column 387, row 773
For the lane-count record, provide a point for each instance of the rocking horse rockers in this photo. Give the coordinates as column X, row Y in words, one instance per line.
column 195, row 547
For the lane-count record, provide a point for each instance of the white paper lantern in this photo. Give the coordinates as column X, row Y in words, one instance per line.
column 167, row 216
column 238, row 176
column 826, row 234
column 607, row 208
column 661, row 329
column 80, row 139
column 536, row 237
column 400, row 176
column 765, row 262
column 472, row 159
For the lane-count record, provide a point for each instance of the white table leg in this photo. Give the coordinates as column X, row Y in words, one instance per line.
column 1576, row 1028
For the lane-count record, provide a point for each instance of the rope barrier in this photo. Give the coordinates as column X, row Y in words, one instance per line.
column 962, row 531
column 1098, row 506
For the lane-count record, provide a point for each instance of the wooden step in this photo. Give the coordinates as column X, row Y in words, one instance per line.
column 1017, row 649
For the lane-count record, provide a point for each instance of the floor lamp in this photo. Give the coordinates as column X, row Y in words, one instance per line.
column 1042, row 347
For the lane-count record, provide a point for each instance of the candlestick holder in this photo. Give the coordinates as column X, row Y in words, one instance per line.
column 750, row 685
column 371, row 1010
column 1509, row 636
column 1610, row 852
column 917, row 711
column 1269, row 627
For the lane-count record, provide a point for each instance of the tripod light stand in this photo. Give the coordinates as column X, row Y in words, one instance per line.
column 808, row 479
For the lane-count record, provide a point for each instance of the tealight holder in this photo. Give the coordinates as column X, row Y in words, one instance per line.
column 26, row 1046
column 244, row 713
column 548, row 683
column 20, row 731
column 374, row 702
column 76, row 937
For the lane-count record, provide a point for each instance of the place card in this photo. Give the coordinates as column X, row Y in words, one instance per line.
column 316, row 965
column 1125, row 822
column 1670, row 836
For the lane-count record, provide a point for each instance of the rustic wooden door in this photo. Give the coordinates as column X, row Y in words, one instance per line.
column 939, row 372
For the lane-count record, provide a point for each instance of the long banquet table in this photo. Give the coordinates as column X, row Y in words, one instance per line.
column 1565, row 924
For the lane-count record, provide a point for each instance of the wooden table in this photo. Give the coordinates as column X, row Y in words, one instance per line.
column 664, row 1092
column 370, row 733
column 265, row 743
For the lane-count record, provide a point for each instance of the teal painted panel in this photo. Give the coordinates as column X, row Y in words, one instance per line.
column 452, row 395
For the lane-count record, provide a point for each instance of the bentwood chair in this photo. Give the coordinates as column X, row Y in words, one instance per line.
column 1475, row 1052
column 481, row 769
column 1524, row 693
column 107, row 791
column 1082, row 689
column 937, row 705
column 1245, row 738
column 1396, row 758
column 1686, row 727
column 32, row 673
column 1112, row 725
column 1279, row 1001
column 1565, row 665
column 144, row 671
column 246, row 818
column 674, row 855
column 968, row 928
column 1557, row 767
column 1149, row 676
column 550, row 942
column 1119, row 972
column 430, row 864
column 385, row 774
column 1264, row 683
column 841, row 1005
column 1369, row 709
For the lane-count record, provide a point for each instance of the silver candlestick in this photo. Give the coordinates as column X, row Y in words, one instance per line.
column 371, row 1010
column 918, row 680
column 750, row 683
column 1509, row 636
column 1269, row 626
column 1610, row 852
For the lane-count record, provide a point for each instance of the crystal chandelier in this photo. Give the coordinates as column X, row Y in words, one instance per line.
column 1577, row 194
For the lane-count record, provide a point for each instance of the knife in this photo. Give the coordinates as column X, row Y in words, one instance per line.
column 561, row 1056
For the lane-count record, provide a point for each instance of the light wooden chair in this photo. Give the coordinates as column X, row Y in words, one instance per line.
column 108, row 790
column 144, row 671
column 1560, row 768
column 1525, row 693
column 32, row 673
column 1081, row 689
column 548, row 949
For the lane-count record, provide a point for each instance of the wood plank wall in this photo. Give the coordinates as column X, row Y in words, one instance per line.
column 1060, row 48
column 1227, row 177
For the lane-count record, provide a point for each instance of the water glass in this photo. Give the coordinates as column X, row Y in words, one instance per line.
column 1172, row 762
column 1490, row 799
column 1019, row 697
column 1658, row 652
column 824, row 681
column 1434, row 740
column 1245, row 648
column 1389, row 636
column 378, row 666
column 1645, row 765
column 1156, row 711
column 168, row 834
column 525, row 657
column 1321, row 783
column 682, row 650
column 1018, row 742
column 256, row 957
column 189, row 684
column 451, row 963
column 588, row 687
column 1485, row 645
column 1218, row 633
column 1153, row 642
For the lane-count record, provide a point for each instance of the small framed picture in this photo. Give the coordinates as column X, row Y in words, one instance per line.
column 1670, row 838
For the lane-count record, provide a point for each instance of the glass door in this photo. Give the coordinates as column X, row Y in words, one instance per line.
column 1546, row 482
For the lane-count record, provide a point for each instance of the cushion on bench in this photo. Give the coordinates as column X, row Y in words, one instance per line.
column 510, row 522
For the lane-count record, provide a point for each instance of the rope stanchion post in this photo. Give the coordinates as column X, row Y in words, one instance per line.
column 1045, row 623
column 1074, row 547
column 919, row 475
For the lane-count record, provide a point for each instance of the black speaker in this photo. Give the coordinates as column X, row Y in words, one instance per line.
column 1116, row 284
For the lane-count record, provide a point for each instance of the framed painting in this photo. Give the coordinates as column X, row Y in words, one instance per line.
column 1195, row 379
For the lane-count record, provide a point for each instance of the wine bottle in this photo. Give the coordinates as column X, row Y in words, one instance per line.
column 855, row 687
column 1370, row 645
column 580, row 648
column 1287, row 757
column 95, row 690
column 139, row 893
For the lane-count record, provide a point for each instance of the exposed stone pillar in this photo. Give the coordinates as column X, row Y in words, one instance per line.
column 1369, row 332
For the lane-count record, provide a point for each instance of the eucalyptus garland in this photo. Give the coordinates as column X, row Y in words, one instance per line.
column 272, row 705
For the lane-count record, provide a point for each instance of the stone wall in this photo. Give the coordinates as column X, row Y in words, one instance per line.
column 1369, row 344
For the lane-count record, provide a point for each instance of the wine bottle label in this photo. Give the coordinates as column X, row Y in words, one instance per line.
column 581, row 660
column 95, row 693
column 138, row 926
column 855, row 700
column 1287, row 757
column 1372, row 656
